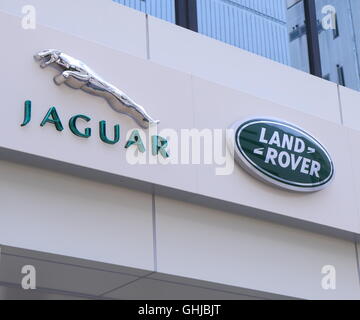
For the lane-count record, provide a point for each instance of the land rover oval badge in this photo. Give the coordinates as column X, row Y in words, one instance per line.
column 282, row 154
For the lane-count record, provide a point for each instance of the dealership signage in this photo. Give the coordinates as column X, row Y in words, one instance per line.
column 272, row 150
column 77, row 75
column 51, row 118
column 282, row 154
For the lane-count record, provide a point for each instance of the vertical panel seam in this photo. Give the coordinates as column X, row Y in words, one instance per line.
column 357, row 260
column 147, row 36
column 340, row 105
column 154, row 229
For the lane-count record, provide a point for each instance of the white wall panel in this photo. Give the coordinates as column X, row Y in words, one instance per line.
column 335, row 205
column 350, row 107
column 166, row 94
column 230, row 249
column 60, row 214
column 101, row 21
column 180, row 102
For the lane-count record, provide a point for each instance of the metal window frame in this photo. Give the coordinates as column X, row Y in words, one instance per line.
column 341, row 75
column 186, row 14
column 312, row 38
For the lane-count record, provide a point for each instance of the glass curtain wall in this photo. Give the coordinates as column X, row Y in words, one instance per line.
column 257, row 26
column 163, row 9
column 276, row 29
column 298, row 44
column 339, row 31
column 271, row 28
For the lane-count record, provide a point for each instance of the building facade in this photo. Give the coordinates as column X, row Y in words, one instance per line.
column 277, row 29
column 93, row 224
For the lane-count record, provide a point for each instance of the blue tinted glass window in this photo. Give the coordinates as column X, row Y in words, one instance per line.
column 276, row 29
column 273, row 28
column 339, row 39
column 163, row 9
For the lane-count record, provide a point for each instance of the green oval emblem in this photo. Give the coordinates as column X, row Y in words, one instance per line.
column 282, row 154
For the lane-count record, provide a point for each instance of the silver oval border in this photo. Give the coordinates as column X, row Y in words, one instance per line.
column 256, row 171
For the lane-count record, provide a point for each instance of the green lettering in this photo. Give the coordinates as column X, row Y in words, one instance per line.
column 27, row 113
column 74, row 129
column 53, row 118
column 135, row 139
column 158, row 146
column 104, row 138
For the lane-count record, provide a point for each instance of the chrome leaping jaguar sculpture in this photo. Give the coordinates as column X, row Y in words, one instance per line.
column 78, row 75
